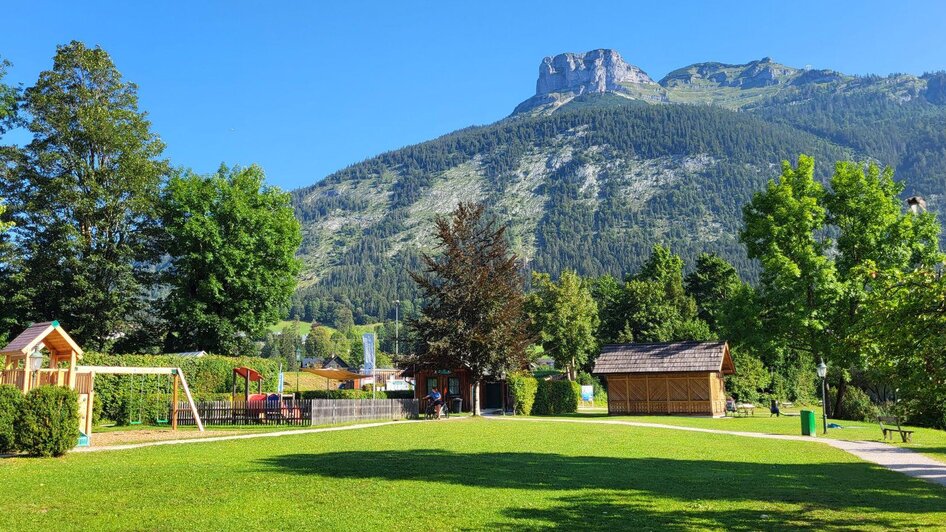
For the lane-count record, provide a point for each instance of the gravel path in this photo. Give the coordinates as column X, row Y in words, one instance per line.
column 899, row 459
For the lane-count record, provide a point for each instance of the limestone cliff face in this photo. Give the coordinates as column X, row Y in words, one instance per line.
column 595, row 71
column 565, row 76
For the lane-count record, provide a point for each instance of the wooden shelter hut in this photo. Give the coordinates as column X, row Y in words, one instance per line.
column 666, row 378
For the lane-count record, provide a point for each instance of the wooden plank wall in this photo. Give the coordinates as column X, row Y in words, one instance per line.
column 298, row 412
column 666, row 393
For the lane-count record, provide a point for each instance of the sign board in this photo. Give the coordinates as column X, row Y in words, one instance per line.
column 367, row 340
column 397, row 384
column 587, row 393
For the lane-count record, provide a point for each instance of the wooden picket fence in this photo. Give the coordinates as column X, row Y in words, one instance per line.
column 298, row 412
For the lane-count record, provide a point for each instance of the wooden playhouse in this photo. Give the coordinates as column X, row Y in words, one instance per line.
column 45, row 354
column 666, row 378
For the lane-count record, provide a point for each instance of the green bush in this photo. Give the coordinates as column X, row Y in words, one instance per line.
column 11, row 400
column 117, row 396
column 855, row 406
column 927, row 409
column 556, row 397
column 48, row 421
column 523, row 387
column 751, row 379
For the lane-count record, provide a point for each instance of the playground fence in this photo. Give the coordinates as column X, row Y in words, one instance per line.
column 298, row 412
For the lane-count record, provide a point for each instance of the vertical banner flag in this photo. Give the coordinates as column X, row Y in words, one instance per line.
column 367, row 340
column 282, row 383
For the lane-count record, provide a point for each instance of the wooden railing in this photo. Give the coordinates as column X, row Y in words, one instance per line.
column 13, row 377
column 45, row 377
column 51, row 377
column 298, row 412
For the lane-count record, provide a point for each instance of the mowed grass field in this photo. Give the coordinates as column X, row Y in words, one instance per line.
column 468, row 474
column 931, row 442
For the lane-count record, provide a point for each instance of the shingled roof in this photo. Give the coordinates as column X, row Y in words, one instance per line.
column 664, row 358
column 49, row 333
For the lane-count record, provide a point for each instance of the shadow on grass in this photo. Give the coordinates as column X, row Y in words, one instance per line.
column 636, row 492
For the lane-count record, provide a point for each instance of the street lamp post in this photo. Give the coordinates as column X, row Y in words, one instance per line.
column 823, row 373
column 298, row 369
column 397, row 305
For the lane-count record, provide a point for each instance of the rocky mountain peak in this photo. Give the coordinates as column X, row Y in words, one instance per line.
column 599, row 70
column 565, row 76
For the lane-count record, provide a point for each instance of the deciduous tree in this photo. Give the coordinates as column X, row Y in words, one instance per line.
column 565, row 317
column 473, row 315
column 232, row 242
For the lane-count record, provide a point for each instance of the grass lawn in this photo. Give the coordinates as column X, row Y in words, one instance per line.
column 468, row 474
column 931, row 442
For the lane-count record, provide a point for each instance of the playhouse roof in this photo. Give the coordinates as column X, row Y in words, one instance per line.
column 665, row 358
column 248, row 373
column 48, row 333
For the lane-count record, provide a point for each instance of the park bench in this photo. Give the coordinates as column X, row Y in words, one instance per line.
column 886, row 425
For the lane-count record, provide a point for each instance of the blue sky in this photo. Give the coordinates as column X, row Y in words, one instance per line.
column 306, row 88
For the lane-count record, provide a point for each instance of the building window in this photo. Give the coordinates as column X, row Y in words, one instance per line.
column 453, row 386
column 431, row 384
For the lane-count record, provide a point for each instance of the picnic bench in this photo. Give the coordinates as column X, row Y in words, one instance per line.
column 886, row 425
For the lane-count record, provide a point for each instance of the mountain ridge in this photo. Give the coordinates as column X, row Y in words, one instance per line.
column 565, row 76
column 590, row 184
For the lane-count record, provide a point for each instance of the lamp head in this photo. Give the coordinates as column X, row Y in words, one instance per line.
column 822, row 369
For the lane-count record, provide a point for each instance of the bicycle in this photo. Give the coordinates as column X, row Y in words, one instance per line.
column 431, row 412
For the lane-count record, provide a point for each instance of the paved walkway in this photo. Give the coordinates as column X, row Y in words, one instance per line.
column 899, row 459
column 122, row 447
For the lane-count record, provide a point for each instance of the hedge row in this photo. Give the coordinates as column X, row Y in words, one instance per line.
column 556, row 397
column 543, row 397
column 523, row 387
column 44, row 423
column 120, row 397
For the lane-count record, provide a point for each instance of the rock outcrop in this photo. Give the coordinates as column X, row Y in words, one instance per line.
column 568, row 75
column 595, row 71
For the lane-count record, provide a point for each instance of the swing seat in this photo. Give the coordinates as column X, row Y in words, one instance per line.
column 161, row 421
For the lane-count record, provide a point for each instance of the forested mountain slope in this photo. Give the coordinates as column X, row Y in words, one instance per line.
column 604, row 162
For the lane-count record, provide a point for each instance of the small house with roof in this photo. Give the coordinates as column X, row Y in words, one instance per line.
column 666, row 378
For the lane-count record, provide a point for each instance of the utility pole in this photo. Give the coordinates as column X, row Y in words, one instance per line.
column 397, row 304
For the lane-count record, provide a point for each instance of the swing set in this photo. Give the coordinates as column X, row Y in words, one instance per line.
column 163, row 419
column 22, row 366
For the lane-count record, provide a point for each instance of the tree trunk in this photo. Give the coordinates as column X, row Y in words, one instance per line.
column 842, row 387
column 476, row 398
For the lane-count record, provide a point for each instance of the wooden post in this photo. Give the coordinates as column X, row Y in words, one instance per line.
column 72, row 369
column 27, row 375
column 174, row 402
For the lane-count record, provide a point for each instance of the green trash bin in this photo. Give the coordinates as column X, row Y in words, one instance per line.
column 808, row 426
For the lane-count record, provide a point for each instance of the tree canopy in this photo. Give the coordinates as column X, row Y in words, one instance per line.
column 83, row 192
column 232, row 242
column 473, row 315
column 565, row 316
